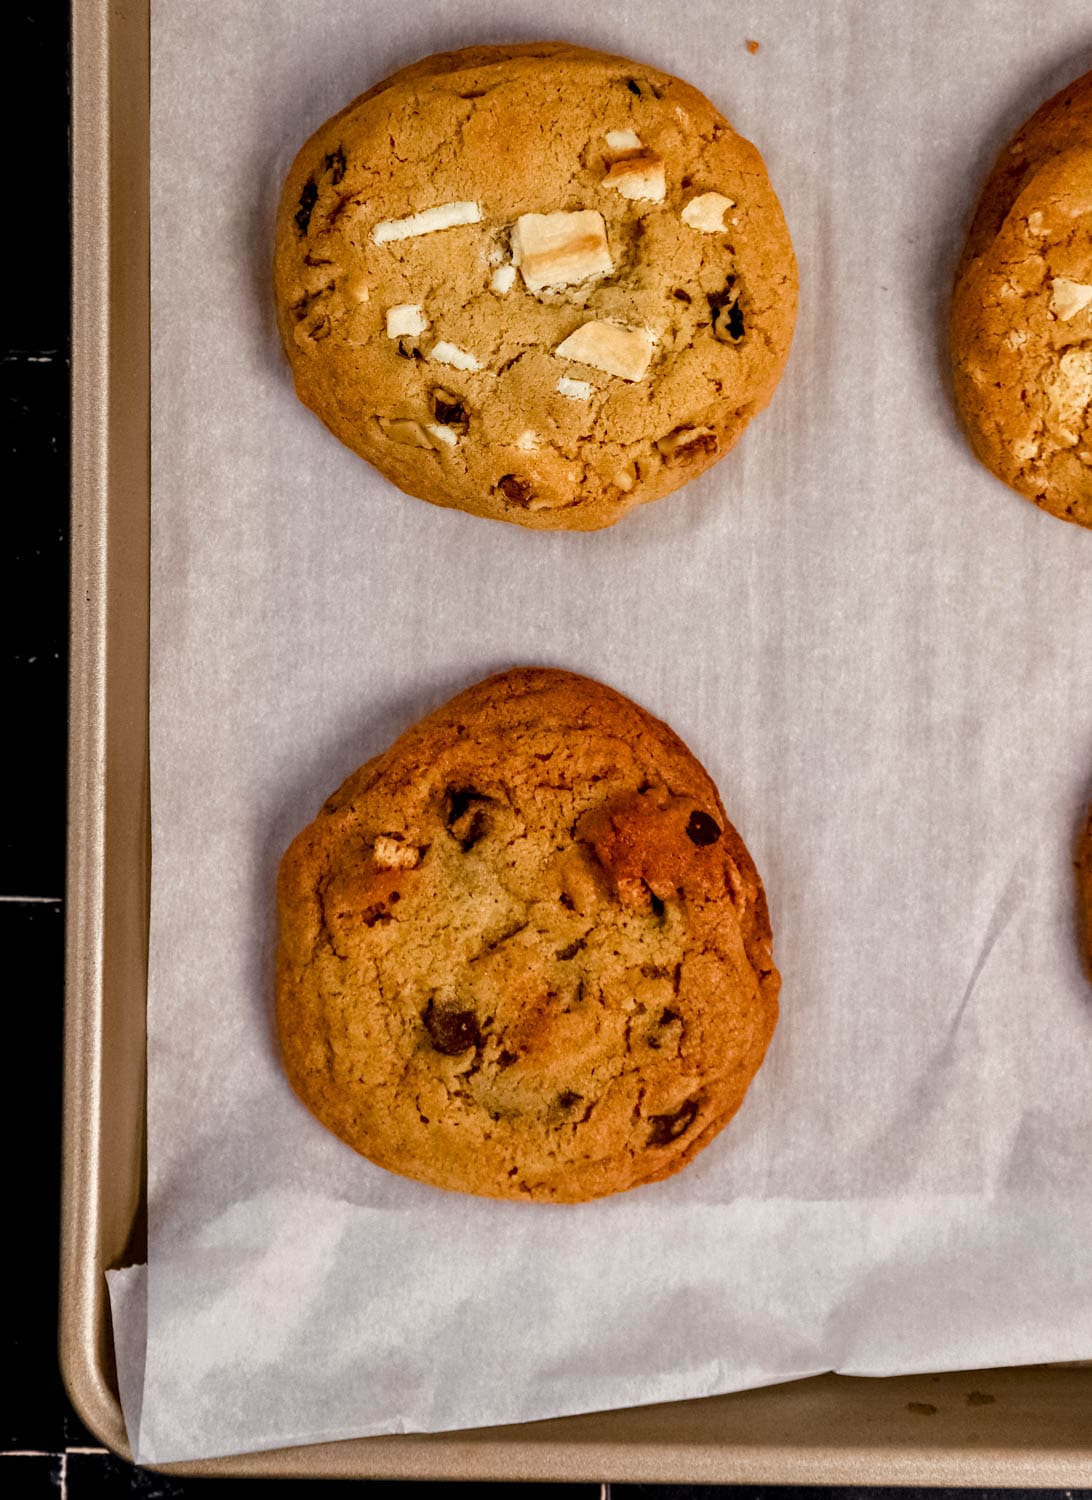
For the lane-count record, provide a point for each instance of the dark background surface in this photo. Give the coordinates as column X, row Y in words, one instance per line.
column 44, row 1448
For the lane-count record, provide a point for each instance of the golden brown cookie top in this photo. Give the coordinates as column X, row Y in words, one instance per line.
column 537, row 283
column 1022, row 314
column 523, row 952
column 1064, row 121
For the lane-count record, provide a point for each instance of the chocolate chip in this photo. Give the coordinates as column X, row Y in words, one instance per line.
column 505, row 1059
column 452, row 1031
column 466, row 816
column 667, row 1016
column 658, row 907
column 571, row 951
column 450, row 411
column 568, row 1100
column 335, row 163
column 681, row 295
column 667, row 1128
column 308, row 199
column 701, row 829
column 727, row 313
column 732, row 322
column 633, row 87
column 515, row 489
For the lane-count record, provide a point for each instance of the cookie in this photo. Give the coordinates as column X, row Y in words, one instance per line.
column 536, row 283
column 523, row 953
column 1021, row 328
column 1084, row 887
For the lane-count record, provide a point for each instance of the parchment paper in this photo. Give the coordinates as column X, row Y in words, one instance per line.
column 883, row 658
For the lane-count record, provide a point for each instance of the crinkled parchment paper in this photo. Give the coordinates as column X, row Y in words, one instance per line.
column 882, row 656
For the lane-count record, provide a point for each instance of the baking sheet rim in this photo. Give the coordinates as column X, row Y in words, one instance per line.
column 109, row 467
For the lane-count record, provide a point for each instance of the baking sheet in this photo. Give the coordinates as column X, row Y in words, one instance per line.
column 883, row 658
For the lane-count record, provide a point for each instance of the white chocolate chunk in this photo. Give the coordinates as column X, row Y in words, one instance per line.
column 503, row 279
column 560, row 249
column 640, row 177
column 407, row 318
column 613, row 348
column 450, row 354
column 441, row 434
column 527, row 440
column 706, row 212
column 406, row 431
column 391, row 853
column 443, row 216
column 576, row 390
column 1069, row 395
column 623, row 140
column 1068, row 298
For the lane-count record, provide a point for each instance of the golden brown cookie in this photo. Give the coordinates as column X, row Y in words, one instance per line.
column 1022, row 311
column 523, row 952
column 534, row 282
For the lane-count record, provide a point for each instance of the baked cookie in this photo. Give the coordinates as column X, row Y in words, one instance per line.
column 1084, row 887
column 1022, row 311
column 534, row 282
column 523, row 953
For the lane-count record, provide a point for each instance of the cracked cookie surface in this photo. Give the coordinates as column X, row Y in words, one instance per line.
column 523, row 953
column 1022, row 312
column 536, row 283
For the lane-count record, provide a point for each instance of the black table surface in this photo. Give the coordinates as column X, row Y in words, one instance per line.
column 44, row 1447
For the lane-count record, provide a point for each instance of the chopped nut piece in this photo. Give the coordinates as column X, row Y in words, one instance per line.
column 407, row 318
column 1068, row 298
column 581, row 879
column 638, row 177
column 623, row 140
column 356, row 288
column 687, row 439
column 443, row 216
column 611, row 347
column 450, row 354
column 706, row 212
column 442, row 434
column 503, row 279
column 406, row 431
column 390, row 853
column 577, row 390
column 625, row 477
column 560, row 249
